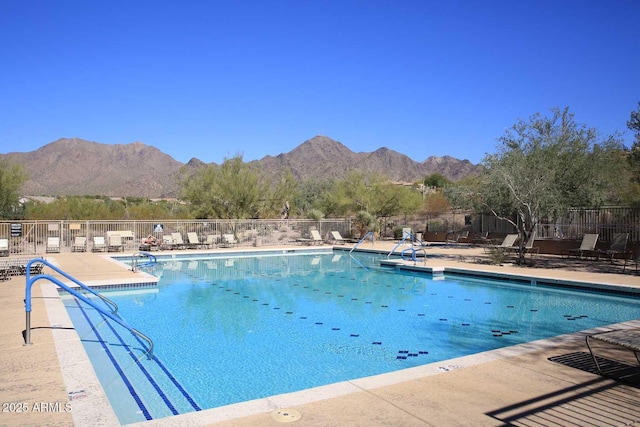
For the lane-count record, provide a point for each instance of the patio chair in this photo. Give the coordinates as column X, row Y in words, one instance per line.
column 618, row 246
column 177, row 240
column 626, row 338
column 211, row 241
column 4, row 247
column 508, row 242
column 316, row 238
column 588, row 246
column 228, row 240
column 114, row 244
column 457, row 237
column 194, row 241
column 635, row 259
column 79, row 244
column 53, row 244
column 481, row 238
column 528, row 247
column 99, row 244
column 334, row 237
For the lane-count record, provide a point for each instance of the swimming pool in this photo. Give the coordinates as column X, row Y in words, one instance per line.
column 237, row 328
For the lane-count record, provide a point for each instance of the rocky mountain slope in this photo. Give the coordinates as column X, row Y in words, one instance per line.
column 78, row 167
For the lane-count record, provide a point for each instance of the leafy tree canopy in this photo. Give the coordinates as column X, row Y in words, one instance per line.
column 544, row 166
column 236, row 190
column 12, row 177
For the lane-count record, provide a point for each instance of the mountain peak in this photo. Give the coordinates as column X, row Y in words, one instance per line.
column 73, row 166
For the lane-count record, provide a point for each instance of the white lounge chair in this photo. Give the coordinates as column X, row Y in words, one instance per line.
column 228, row 240
column 99, row 244
column 53, row 244
column 115, row 244
column 334, row 237
column 316, row 238
column 194, row 241
column 211, row 241
column 79, row 244
column 177, row 240
column 4, row 247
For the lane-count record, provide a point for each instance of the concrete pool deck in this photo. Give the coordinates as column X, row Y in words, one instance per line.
column 549, row 382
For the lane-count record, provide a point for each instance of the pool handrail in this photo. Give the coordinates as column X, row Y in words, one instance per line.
column 111, row 315
column 107, row 301
column 368, row 234
column 138, row 255
column 413, row 239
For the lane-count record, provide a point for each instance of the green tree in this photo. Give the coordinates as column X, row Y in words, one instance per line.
column 233, row 190
column 544, row 166
column 634, row 154
column 436, row 180
column 284, row 190
column 12, row 177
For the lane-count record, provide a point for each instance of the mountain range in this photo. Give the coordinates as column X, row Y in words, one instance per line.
column 73, row 166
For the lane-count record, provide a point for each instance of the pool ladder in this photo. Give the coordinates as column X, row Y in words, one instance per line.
column 369, row 234
column 137, row 256
column 110, row 313
column 412, row 250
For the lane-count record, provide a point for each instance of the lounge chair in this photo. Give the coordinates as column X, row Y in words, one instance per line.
column 316, row 238
column 588, row 246
column 481, row 238
column 177, row 240
column 508, row 242
column 528, row 247
column 79, row 244
column 228, row 240
column 53, row 244
column 626, row 338
column 194, row 242
column 4, row 247
column 618, row 246
column 462, row 235
column 635, row 259
column 99, row 244
column 115, row 244
column 211, row 241
column 334, row 237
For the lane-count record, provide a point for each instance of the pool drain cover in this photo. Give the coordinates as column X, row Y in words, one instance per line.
column 286, row 415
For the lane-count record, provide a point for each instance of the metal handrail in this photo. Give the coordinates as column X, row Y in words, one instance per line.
column 136, row 256
column 413, row 239
column 113, row 305
column 368, row 234
column 111, row 315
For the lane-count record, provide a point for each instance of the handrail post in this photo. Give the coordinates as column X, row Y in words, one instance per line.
column 27, row 334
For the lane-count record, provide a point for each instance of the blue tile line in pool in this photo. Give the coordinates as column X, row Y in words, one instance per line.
column 124, row 377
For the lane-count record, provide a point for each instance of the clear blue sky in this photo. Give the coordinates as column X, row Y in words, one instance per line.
column 214, row 78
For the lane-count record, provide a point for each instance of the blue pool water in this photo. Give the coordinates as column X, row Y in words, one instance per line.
column 227, row 330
